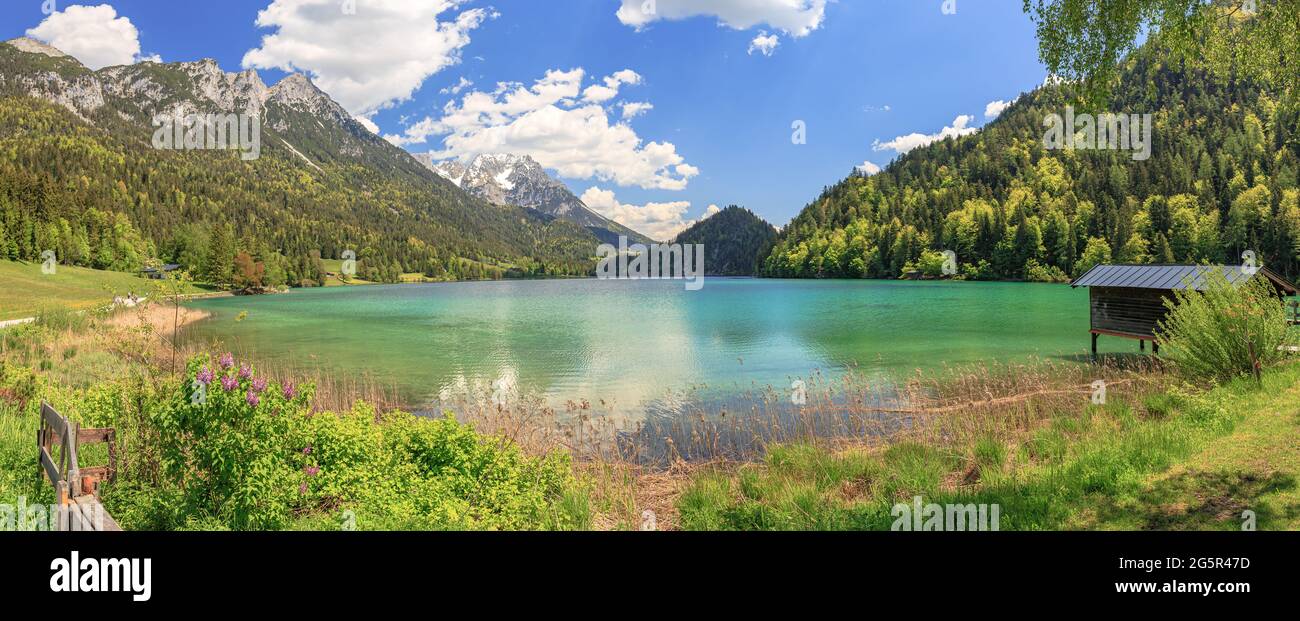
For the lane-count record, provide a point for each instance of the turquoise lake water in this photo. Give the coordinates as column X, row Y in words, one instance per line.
column 632, row 344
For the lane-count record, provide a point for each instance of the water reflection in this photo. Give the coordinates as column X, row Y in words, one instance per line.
column 645, row 352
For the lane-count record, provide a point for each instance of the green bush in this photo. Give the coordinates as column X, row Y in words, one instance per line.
column 244, row 454
column 503, row 488
column 1225, row 331
column 224, row 442
column 1037, row 272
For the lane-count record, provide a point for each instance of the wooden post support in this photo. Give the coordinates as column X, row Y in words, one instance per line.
column 1094, row 346
column 73, row 472
column 61, row 519
column 1142, row 345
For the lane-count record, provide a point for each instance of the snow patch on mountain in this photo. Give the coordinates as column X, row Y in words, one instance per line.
column 506, row 179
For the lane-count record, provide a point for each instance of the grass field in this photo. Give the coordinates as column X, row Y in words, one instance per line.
column 27, row 290
column 335, row 266
column 1169, row 462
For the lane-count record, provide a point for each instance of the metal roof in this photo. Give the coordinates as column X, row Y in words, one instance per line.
column 1168, row 277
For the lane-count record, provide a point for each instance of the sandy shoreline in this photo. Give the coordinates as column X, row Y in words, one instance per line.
column 159, row 317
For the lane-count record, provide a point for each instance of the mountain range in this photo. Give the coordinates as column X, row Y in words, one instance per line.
column 518, row 180
column 84, row 178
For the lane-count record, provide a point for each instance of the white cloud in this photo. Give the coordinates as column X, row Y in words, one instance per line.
column 660, row 221
column 560, row 125
column 368, row 124
column 636, row 108
column 868, row 169
column 713, row 210
column 601, row 93
column 797, row 17
column 995, row 108
column 456, row 88
column 903, row 144
column 94, row 35
column 370, row 59
column 764, row 44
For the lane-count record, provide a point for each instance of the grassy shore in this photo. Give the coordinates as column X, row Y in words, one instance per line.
column 1164, row 460
column 1158, row 454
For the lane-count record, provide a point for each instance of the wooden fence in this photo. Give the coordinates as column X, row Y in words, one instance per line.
column 76, row 488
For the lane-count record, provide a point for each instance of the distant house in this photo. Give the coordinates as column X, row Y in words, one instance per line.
column 1128, row 301
column 157, row 273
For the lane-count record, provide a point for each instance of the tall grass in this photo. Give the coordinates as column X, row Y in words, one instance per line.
column 1082, row 467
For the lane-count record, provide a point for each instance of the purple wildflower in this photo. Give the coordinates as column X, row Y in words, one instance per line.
column 307, row 451
column 252, row 399
column 245, row 372
column 259, row 385
column 229, row 383
column 302, row 489
column 290, row 392
column 205, row 376
column 311, row 471
column 227, row 360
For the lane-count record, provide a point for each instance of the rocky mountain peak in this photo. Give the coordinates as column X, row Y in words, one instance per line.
column 297, row 88
column 519, row 180
column 32, row 46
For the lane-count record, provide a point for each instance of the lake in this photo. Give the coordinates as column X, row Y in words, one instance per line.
column 637, row 345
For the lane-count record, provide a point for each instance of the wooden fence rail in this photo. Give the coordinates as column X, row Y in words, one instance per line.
column 76, row 488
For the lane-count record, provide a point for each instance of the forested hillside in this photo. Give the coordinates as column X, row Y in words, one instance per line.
column 733, row 240
column 1222, row 180
column 79, row 175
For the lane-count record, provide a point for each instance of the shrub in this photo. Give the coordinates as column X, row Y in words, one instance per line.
column 248, row 455
column 502, row 488
column 930, row 264
column 1225, row 331
column 1037, row 272
column 224, row 441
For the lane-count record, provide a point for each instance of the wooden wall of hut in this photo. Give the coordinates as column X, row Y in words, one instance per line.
column 1128, row 311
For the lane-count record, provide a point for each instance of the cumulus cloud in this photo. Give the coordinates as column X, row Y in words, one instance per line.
column 661, row 221
column 601, row 93
column 369, row 59
column 94, row 35
column 996, row 108
column 456, row 88
column 764, row 44
column 713, row 210
column 634, row 109
column 797, row 17
column 903, row 144
column 868, row 169
column 561, row 125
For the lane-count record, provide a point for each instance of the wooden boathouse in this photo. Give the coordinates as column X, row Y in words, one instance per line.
column 1128, row 301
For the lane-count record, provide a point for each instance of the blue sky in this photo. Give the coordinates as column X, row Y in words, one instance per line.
column 857, row 73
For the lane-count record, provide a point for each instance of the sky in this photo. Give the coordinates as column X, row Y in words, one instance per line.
column 655, row 112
